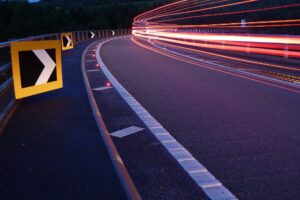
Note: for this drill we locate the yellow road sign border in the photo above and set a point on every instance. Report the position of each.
(62, 43)
(16, 47)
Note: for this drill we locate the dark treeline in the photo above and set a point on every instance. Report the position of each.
(21, 19)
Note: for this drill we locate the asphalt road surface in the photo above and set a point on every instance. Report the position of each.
(245, 132)
(52, 149)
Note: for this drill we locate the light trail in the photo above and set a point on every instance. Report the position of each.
(155, 25)
(265, 82)
(218, 55)
(220, 37)
(262, 45)
(198, 45)
(186, 6)
(160, 9)
(232, 13)
(198, 4)
(265, 23)
(207, 9)
(180, 12)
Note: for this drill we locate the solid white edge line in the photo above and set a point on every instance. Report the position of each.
(213, 188)
(115, 157)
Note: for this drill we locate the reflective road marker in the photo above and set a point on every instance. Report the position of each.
(126, 131)
(36, 67)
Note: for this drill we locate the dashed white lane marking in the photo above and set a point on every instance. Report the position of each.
(126, 131)
(213, 188)
(93, 70)
(102, 88)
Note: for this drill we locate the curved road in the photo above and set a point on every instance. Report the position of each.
(51, 148)
(246, 133)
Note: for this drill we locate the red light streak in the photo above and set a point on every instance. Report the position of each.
(226, 25)
(230, 57)
(163, 26)
(262, 45)
(232, 13)
(179, 12)
(283, 86)
(160, 9)
(260, 63)
(227, 37)
(176, 8)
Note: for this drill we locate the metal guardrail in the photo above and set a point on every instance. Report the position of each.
(7, 99)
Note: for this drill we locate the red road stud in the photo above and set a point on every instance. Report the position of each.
(108, 84)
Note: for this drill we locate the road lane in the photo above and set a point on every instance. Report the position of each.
(244, 132)
(51, 148)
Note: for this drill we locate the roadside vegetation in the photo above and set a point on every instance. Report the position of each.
(21, 19)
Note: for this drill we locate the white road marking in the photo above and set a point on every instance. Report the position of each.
(49, 66)
(102, 88)
(93, 70)
(202, 177)
(126, 131)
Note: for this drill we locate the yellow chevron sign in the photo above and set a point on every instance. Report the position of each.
(36, 67)
(67, 41)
